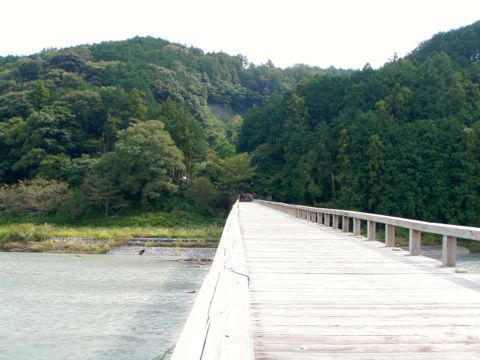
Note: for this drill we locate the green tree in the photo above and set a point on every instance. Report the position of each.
(349, 192)
(40, 95)
(186, 132)
(374, 172)
(233, 173)
(101, 192)
(145, 162)
(136, 105)
(297, 181)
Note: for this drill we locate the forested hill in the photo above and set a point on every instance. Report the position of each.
(401, 140)
(461, 45)
(77, 115)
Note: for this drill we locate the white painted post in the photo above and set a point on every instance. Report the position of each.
(335, 221)
(346, 224)
(415, 242)
(449, 251)
(319, 218)
(371, 230)
(327, 220)
(357, 227)
(389, 235)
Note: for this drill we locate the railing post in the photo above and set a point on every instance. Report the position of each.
(346, 224)
(449, 251)
(327, 220)
(319, 218)
(357, 227)
(335, 221)
(389, 235)
(371, 230)
(415, 242)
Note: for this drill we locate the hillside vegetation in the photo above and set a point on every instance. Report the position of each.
(401, 140)
(136, 124)
(145, 125)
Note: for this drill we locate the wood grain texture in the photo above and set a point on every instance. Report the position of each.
(219, 325)
(318, 293)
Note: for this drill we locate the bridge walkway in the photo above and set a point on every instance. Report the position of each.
(319, 293)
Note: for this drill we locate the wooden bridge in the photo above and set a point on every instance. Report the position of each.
(291, 282)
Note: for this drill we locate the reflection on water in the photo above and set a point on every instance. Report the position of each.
(93, 306)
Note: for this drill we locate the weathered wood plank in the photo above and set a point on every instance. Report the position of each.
(317, 293)
(219, 325)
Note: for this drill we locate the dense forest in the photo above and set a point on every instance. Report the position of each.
(137, 124)
(401, 140)
(148, 124)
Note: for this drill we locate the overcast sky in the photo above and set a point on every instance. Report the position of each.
(342, 33)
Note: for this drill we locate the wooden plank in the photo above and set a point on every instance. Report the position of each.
(317, 293)
(219, 325)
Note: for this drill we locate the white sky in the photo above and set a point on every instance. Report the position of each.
(342, 33)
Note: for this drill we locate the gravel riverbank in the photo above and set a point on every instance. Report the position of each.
(200, 253)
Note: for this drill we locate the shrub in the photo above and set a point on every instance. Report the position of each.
(35, 197)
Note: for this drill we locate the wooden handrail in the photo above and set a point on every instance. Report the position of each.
(219, 325)
(450, 233)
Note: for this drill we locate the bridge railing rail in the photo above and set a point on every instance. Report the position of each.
(333, 217)
(219, 325)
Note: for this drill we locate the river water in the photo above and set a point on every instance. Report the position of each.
(55, 306)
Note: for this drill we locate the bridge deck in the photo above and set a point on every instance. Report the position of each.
(317, 293)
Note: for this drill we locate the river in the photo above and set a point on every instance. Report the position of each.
(56, 306)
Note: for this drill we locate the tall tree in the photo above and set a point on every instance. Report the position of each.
(145, 162)
(374, 172)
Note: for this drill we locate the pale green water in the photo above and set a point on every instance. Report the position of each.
(102, 307)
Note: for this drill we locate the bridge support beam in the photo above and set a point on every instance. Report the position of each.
(415, 242)
(357, 227)
(372, 230)
(346, 224)
(449, 251)
(389, 235)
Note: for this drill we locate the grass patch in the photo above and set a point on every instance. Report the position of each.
(23, 234)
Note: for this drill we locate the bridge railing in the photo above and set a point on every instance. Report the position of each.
(331, 217)
(219, 326)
